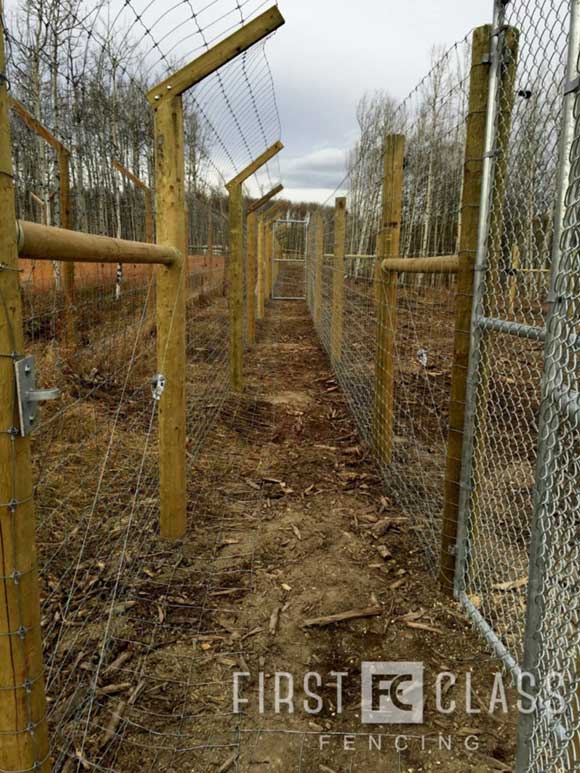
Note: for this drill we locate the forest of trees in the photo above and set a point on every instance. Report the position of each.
(433, 120)
(87, 86)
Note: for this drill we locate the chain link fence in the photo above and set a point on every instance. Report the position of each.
(520, 507)
(516, 570)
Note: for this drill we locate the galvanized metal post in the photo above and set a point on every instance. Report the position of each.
(475, 331)
(470, 210)
(540, 536)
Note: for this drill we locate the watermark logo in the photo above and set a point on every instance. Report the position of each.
(392, 693)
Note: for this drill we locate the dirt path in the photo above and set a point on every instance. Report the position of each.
(291, 524)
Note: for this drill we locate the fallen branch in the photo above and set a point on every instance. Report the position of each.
(352, 614)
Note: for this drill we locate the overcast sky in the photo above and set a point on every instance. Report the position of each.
(323, 60)
(330, 52)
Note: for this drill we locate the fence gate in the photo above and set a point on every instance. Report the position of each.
(518, 574)
(289, 250)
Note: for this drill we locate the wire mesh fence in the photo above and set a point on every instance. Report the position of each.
(129, 623)
(119, 607)
(519, 508)
(288, 259)
(432, 120)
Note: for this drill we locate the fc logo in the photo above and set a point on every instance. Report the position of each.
(392, 693)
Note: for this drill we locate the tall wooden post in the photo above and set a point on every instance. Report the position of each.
(252, 278)
(394, 156)
(470, 208)
(276, 256)
(23, 727)
(268, 257)
(236, 273)
(167, 101)
(171, 230)
(256, 244)
(472, 185)
(236, 287)
(318, 258)
(261, 279)
(149, 235)
(338, 280)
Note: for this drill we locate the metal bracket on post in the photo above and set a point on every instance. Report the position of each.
(157, 386)
(28, 395)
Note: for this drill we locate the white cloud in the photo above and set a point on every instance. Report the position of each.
(323, 168)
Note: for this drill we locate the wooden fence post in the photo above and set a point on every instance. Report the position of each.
(236, 273)
(171, 357)
(268, 256)
(318, 258)
(236, 287)
(473, 170)
(383, 425)
(252, 278)
(515, 279)
(338, 280)
(149, 235)
(261, 270)
(167, 101)
(276, 255)
(256, 244)
(23, 726)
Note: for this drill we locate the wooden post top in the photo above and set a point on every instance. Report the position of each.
(262, 159)
(256, 205)
(217, 56)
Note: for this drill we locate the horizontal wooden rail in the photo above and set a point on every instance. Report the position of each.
(42, 242)
(441, 264)
(129, 175)
(36, 126)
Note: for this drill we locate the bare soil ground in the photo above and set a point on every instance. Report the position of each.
(309, 533)
(288, 522)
